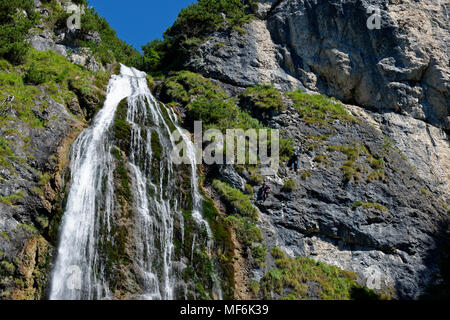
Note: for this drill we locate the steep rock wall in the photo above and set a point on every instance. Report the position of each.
(326, 46)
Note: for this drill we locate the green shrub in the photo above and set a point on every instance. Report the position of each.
(191, 28)
(238, 200)
(249, 190)
(256, 179)
(14, 27)
(7, 267)
(305, 175)
(322, 159)
(351, 170)
(62, 81)
(277, 253)
(376, 164)
(263, 98)
(376, 175)
(318, 109)
(207, 102)
(289, 186)
(111, 48)
(6, 153)
(293, 276)
(247, 232)
(369, 205)
(259, 253)
(35, 76)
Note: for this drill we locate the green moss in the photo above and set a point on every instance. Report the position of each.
(223, 244)
(121, 128)
(238, 200)
(425, 192)
(445, 206)
(115, 255)
(121, 173)
(255, 287)
(217, 225)
(43, 222)
(157, 149)
(369, 205)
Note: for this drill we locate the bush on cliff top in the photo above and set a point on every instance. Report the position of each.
(111, 48)
(193, 25)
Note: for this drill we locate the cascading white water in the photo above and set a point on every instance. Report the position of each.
(79, 272)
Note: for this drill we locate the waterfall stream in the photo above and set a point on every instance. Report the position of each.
(81, 270)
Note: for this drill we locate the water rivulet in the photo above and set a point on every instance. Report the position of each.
(133, 223)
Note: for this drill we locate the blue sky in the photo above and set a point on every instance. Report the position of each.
(139, 21)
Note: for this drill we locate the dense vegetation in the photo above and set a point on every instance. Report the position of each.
(207, 102)
(194, 24)
(304, 278)
(62, 80)
(317, 109)
(264, 98)
(17, 17)
(243, 221)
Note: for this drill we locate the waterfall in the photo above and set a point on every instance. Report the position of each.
(82, 269)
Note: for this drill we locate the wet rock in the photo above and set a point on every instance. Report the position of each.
(230, 176)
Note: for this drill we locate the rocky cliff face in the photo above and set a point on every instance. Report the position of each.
(386, 223)
(326, 46)
(371, 195)
(44, 104)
